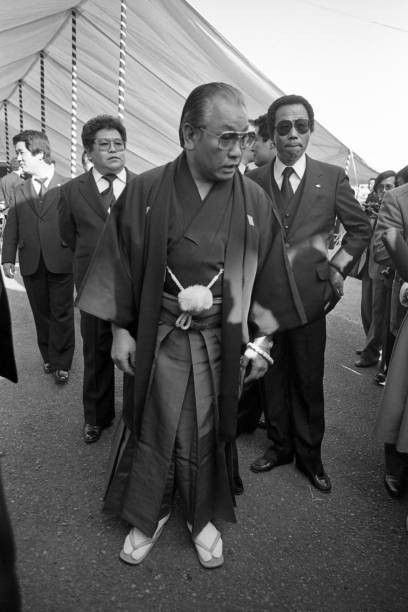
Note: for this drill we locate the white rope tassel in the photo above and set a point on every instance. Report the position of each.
(193, 300)
(122, 60)
(74, 97)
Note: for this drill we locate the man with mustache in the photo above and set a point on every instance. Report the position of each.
(309, 195)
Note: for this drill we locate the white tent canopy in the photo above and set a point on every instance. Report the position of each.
(170, 49)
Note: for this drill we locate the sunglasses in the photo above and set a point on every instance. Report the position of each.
(228, 140)
(302, 126)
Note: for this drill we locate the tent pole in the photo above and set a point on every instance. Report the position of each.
(74, 98)
(42, 90)
(20, 104)
(122, 59)
(6, 134)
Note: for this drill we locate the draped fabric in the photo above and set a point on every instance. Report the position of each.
(170, 49)
(124, 283)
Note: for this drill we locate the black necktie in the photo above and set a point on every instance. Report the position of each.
(42, 192)
(43, 189)
(108, 197)
(286, 188)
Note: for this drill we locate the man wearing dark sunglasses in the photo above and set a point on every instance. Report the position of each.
(309, 195)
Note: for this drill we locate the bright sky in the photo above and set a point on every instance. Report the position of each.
(348, 58)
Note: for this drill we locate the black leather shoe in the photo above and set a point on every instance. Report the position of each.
(61, 377)
(320, 480)
(238, 486)
(365, 363)
(393, 485)
(268, 461)
(47, 367)
(92, 433)
(262, 423)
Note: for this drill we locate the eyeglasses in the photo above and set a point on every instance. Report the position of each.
(302, 126)
(385, 187)
(228, 140)
(104, 144)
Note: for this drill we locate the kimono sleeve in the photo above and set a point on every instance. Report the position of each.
(107, 289)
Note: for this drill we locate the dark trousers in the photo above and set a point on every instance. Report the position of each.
(294, 398)
(396, 464)
(51, 298)
(99, 378)
(375, 333)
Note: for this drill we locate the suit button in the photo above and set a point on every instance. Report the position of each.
(287, 214)
(286, 226)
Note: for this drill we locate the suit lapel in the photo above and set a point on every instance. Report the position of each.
(52, 195)
(30, 195)
(311, 190)
(89, 192)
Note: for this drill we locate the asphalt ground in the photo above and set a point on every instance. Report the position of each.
(293, 548)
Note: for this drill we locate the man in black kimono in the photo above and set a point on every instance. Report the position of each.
(190, 267)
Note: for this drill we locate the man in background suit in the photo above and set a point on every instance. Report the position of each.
(9, 591)
(309, 195)
(84, 207)
(9, 182)
(393, 214)
(263, 147)
(45, 260)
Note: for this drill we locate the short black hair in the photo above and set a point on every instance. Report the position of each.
(402, 175)
(36, 142)
(261, 123)
(382, 176)
(196, 105)
(101, 122)
(285, 101)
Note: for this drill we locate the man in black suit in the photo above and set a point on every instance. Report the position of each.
(9, 591)
(45, 260)
(84, 207)
(309, 195)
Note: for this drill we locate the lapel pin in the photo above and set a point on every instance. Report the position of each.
(318, 186)
(147, 209)
(250, 220)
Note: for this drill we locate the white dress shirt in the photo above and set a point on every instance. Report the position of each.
(37, 185)
(118, 184)
(299, 169)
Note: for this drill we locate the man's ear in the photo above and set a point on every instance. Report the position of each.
(189, 135)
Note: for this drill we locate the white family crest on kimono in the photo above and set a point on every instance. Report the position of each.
(193, 300)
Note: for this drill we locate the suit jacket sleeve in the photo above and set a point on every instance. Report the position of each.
(389, 216)
(398, 251)
(67, 225)
(355, 222)
(10, 237)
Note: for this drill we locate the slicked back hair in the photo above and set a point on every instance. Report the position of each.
(101, 122)
(261, 123)
(402, 175)
(381, 177)
(196, 106)
(36, 142)
(285, 101)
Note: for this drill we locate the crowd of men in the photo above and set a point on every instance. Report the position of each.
(208, 287)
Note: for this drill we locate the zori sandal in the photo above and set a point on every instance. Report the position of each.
(201, 547)
(137, 546)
